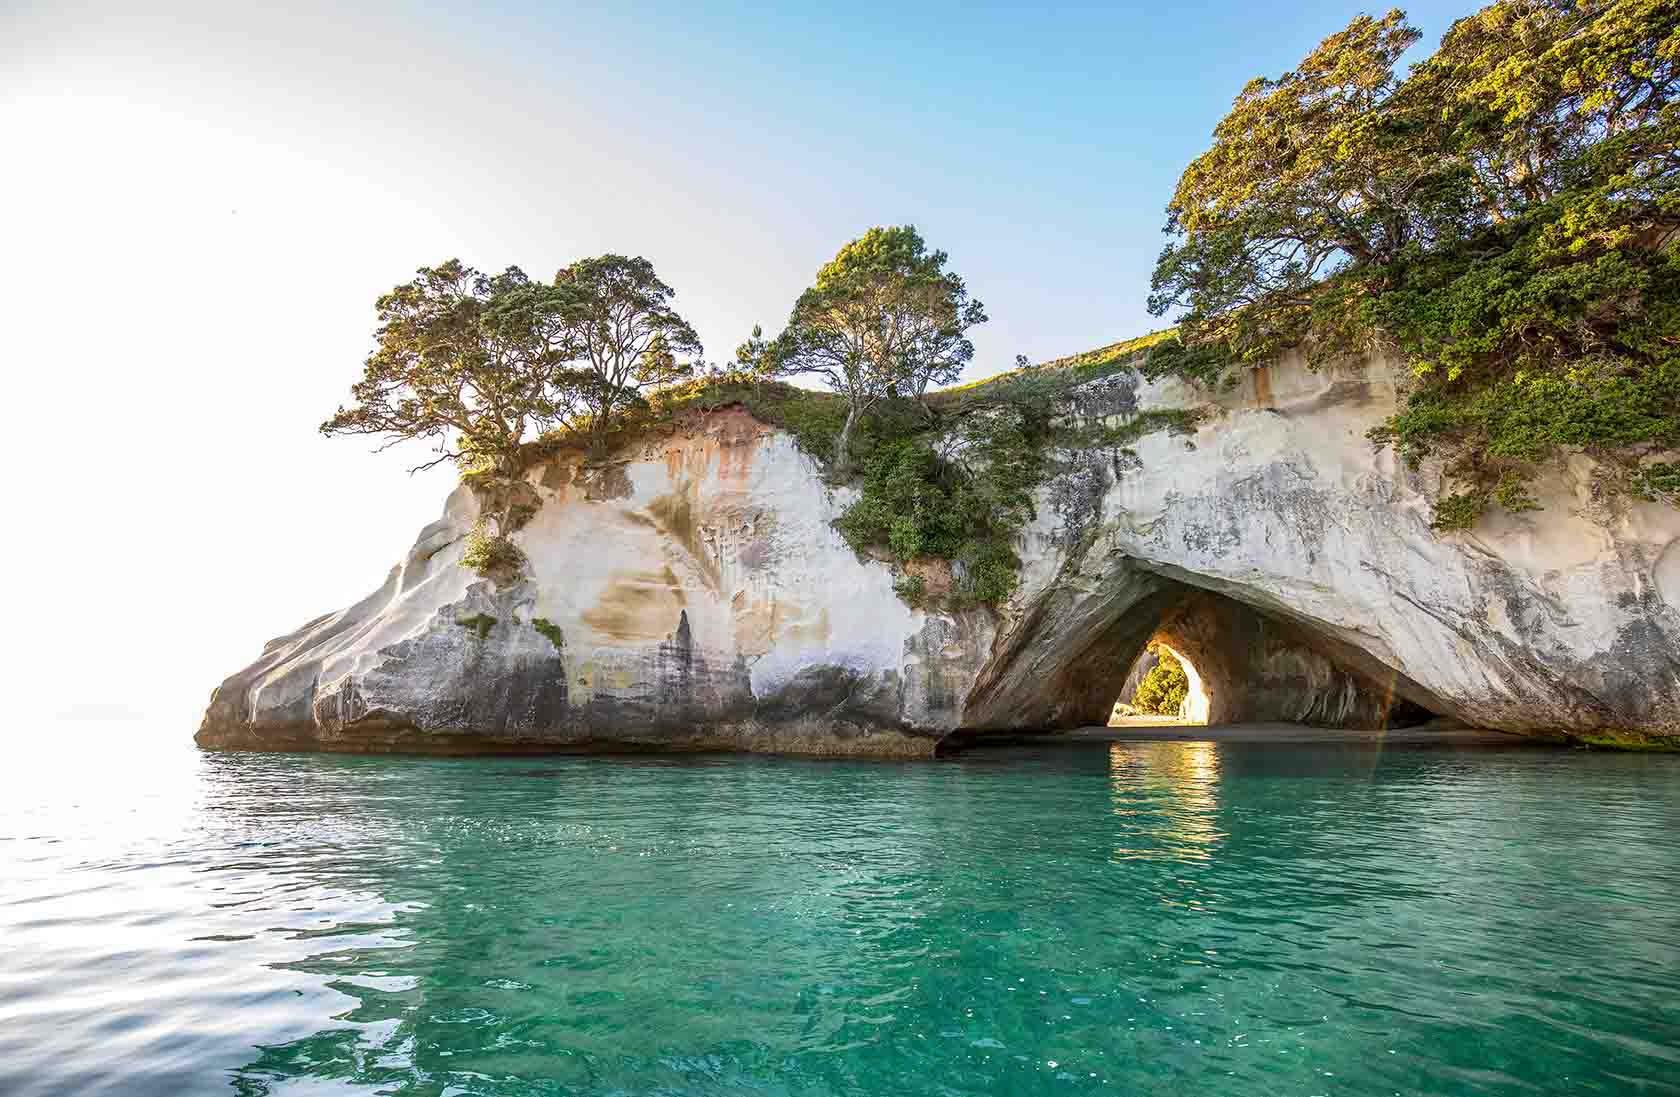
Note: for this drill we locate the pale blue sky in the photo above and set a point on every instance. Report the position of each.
(204, 200)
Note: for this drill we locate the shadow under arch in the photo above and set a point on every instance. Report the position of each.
(1062, 666)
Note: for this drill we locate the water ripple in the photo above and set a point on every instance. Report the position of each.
(1161, 918)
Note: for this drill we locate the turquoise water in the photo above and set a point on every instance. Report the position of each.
(1160, 918)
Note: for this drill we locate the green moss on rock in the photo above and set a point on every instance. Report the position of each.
(480, 623)
(1626, 739)
(550, 630)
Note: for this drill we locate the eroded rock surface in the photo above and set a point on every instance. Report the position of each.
(692, 594)
(1553, 622)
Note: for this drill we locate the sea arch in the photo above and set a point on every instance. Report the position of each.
(1256, 661)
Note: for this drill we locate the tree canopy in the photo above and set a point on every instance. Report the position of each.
(1306, 174)
(479, 364)
(1502, 217)
(464, 360)
(884, 318)
(627, 339)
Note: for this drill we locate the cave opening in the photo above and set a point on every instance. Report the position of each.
(1161, 689)
(1266, 664)
(1252, 659)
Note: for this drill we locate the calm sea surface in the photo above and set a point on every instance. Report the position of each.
(1150, 918)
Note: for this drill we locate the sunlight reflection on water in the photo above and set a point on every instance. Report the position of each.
(1168, 793)
(1152, 918)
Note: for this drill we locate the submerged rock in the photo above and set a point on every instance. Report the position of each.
(692, 594)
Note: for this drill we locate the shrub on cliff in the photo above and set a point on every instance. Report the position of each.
(493, 556)
(962, 502)
(1503, 216)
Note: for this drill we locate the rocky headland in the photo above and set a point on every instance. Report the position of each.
(691, 592)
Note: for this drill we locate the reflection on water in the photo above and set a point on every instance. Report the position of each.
(1152, 918)
(1169, 794)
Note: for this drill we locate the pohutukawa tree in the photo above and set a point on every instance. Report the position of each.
(478, 364)
(1304, 176)
(1505, 217)
(625, 340)
(1341, 167)
(465, 360)
(885, 318)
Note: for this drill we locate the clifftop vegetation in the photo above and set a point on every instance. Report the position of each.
(948, 477)
(499, 372)
(883, 320)
(1503, 216)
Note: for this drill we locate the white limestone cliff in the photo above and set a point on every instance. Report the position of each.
(691, 593)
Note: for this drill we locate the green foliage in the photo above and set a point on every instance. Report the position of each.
(1503, 217)
(990, 571)
(1306, 174)
(551, 631)
(813, 418)
(909, 504)
(1104, 361)
(1163, 690)
(492, 556)
(1463, 509)
(480, 624)
(963, 503)
(1032, 384)
(913, 589)
(1658, 480)
(1204, 362)
(1460, 510)
(457, 364)
(1516, 358)
(475, 363)
(884, 319)
(1625, 739)
(1178, 421)
(1511, 492)
(625, 338)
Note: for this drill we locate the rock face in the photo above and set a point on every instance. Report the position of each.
(1145, 662)
(692, 594)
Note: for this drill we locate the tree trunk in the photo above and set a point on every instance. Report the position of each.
(843, 446)
(921, 399)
